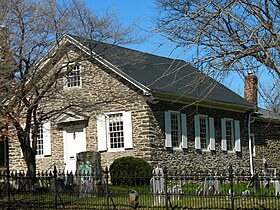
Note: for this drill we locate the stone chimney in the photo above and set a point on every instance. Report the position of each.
(251, 89)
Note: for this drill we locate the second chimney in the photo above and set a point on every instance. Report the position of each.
(251, 89)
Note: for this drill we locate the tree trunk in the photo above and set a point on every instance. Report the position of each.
(30, 160)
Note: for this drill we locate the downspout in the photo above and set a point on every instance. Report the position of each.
(250, 95)
(250, 121)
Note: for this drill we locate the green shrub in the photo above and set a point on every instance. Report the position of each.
(130, 171)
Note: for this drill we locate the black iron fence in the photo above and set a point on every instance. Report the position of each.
(157, 190)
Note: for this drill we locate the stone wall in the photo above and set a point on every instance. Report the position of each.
(102, 91)
(267, 144)
(192, 159)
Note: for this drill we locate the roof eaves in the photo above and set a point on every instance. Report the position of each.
(188, 100)
(267, 116)
(51, 52)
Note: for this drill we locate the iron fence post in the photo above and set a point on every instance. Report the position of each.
(165, 188)
(55, 188)
(106, 187)
(230, 170)
(9, 190)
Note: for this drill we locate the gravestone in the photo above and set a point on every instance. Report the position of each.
(211, 186)
(277, 188)
(157, 185)
(89, 178)
(255, 183)
(176, 192)
(69, 181)
(57, 184)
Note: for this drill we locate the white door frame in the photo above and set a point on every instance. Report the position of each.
(78, 145)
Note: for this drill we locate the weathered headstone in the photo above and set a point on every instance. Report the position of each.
(57, 184)
(255, 183)
(90, 173)
(245, 194)
(198, 191)
(86, 185)
(277, 188)
(157, 185)
(69, 180)
(176, 192)
(212, 186)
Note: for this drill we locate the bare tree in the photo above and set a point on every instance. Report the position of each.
(29, 30)
(225, 36)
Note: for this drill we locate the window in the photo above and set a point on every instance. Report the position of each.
(3, 152)
(114, 131)
(204, 132)
(175, 130)
(231, 135)
(73, 78)
(40, 141)
(43, 140)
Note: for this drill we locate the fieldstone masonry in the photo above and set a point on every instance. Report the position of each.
(267, 144)
(103, 91)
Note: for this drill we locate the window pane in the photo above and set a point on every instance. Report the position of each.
(229, 134)
(74, 77)
(175, 130)
(203, 132)
(116, 133)
(40, 141)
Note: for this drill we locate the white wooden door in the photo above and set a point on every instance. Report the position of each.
(74, 142)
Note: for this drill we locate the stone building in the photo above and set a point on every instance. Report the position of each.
(264, 132)
(137, 104)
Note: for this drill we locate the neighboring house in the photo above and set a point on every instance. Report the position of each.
(264, 128)
(143, 105)
(265, 135)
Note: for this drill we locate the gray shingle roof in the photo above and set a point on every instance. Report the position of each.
(164, 74)
(266, 114)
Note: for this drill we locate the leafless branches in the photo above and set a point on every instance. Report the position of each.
(225, 35)
(30, 29)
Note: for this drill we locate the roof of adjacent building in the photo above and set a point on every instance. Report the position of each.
(266, 114)
(161, 74)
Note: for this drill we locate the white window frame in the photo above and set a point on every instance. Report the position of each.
(46, 138)
(236, 141)
(66, 79)
(210, 133)
(109, 140)
(103, 138)
(182, 132)
(40, 141)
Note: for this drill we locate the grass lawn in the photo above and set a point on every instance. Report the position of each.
(119, 198)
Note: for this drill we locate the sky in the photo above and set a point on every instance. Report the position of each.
(142, 13)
